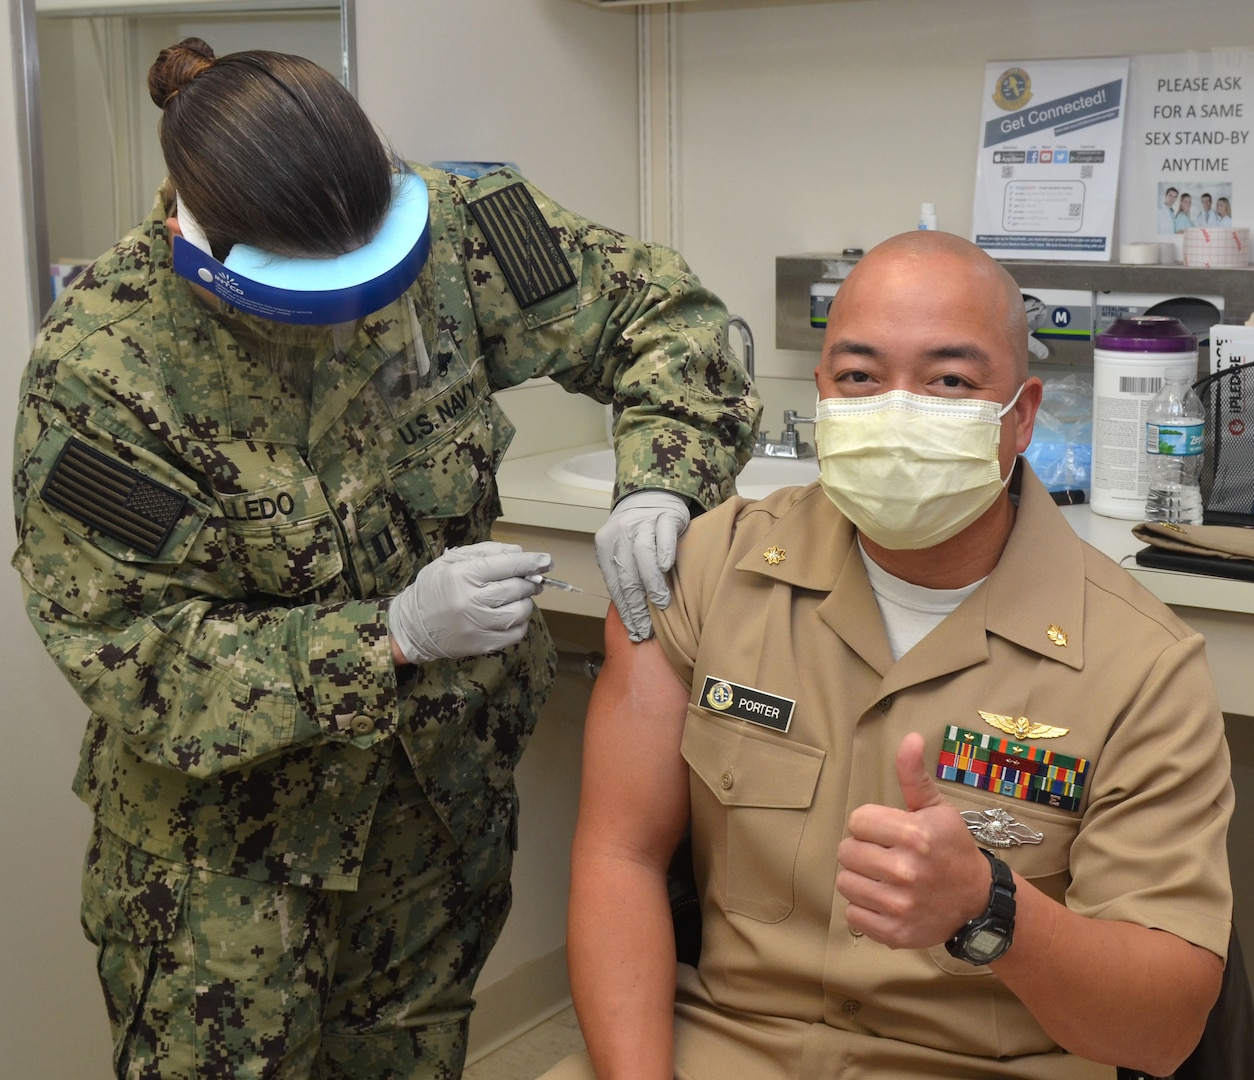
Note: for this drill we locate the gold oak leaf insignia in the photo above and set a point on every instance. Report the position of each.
(1023, 728)
(773, 556)
(1057, 635)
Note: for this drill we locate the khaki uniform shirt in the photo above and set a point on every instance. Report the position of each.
(209, 533)
(773, 596)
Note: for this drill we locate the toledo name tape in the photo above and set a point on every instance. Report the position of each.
(746, 703)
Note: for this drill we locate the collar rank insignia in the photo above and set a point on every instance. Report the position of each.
(774, 555)
(746, 703)
(1057, 635)
(1022, 728)
(997, 828)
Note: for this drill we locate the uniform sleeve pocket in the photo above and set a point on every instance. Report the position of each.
(752, 804)
(137, 512)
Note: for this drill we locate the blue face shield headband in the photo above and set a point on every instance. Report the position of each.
(316, 291)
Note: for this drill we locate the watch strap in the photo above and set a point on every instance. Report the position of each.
(999, 916)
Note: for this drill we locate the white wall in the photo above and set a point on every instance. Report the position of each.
(823, 125)
(52, 1024)
(551, 86)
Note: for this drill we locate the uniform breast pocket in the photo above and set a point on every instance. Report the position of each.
(1034, 841)
(455, 446)
(752, 805)
(283, 539)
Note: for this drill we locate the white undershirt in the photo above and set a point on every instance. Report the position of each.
(910, 612)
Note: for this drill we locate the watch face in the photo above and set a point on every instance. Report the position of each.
(987, 943)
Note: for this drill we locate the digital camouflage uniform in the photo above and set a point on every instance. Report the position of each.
(291, 832)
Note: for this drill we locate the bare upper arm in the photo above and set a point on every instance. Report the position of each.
(634, 793)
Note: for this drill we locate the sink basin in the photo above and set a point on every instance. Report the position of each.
(594, 471)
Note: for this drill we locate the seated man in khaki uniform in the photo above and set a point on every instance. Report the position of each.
(957, 785)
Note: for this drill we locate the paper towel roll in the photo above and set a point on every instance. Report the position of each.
(1140, 254)
(1222, 248)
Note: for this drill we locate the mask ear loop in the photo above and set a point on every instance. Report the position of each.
(342, 334)
(415, 344)
(1011, 405)
(1006, 482)
(192, 232)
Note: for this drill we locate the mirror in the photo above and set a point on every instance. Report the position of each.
(93, 162)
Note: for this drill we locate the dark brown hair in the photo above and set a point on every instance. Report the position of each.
(269, 149)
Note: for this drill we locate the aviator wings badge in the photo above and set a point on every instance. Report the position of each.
(1022, 728)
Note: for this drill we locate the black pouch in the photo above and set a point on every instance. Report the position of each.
(1228, 472)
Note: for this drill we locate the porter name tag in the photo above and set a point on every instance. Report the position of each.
(746, 703)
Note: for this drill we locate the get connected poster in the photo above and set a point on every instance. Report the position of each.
(1189, 160)
(1048, 172)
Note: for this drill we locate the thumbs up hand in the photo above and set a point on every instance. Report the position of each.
(912, 877)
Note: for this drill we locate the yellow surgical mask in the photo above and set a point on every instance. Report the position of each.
(910, 471)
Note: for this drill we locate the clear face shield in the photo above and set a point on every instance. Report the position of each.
(307, 303)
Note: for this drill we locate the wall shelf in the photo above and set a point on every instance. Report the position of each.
(795, 273)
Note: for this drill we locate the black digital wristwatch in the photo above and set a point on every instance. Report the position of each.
(988, 936)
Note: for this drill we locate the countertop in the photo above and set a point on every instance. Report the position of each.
(545, 515)
(531, 498)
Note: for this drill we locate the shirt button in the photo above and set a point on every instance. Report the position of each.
(851, 1007)
(855, 933)
(884, 703)
(726, 780)
(362, 724)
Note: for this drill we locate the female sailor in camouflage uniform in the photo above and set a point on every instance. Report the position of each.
(254, 501)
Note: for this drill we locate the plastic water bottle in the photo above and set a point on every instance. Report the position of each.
(1174, 427)
(927, 217)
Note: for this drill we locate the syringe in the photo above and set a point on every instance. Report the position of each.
(564, 586)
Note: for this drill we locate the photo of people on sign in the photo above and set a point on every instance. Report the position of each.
(1188, 162)
(1188, 202)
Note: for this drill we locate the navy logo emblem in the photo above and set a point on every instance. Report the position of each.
(1014, 89)
(720, 696)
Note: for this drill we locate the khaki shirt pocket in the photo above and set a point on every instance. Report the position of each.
(751, 805)
(1047, 865)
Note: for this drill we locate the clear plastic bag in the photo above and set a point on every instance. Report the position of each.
(1061, 451)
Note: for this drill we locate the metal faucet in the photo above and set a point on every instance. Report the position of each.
(789, 444)
(746, 341)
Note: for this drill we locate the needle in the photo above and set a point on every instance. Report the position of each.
(564, 586)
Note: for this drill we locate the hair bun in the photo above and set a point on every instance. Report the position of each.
(175, 67)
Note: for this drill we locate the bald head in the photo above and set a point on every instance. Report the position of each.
(899, 269)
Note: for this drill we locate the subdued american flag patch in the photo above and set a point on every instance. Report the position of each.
(113, 498)
(520, 239)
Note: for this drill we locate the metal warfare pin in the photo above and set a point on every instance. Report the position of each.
(746, 703)
(997, 828)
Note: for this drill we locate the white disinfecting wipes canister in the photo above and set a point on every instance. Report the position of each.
(1130, 361)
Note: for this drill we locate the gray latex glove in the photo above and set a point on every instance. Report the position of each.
(635, 548)
(472, 600)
